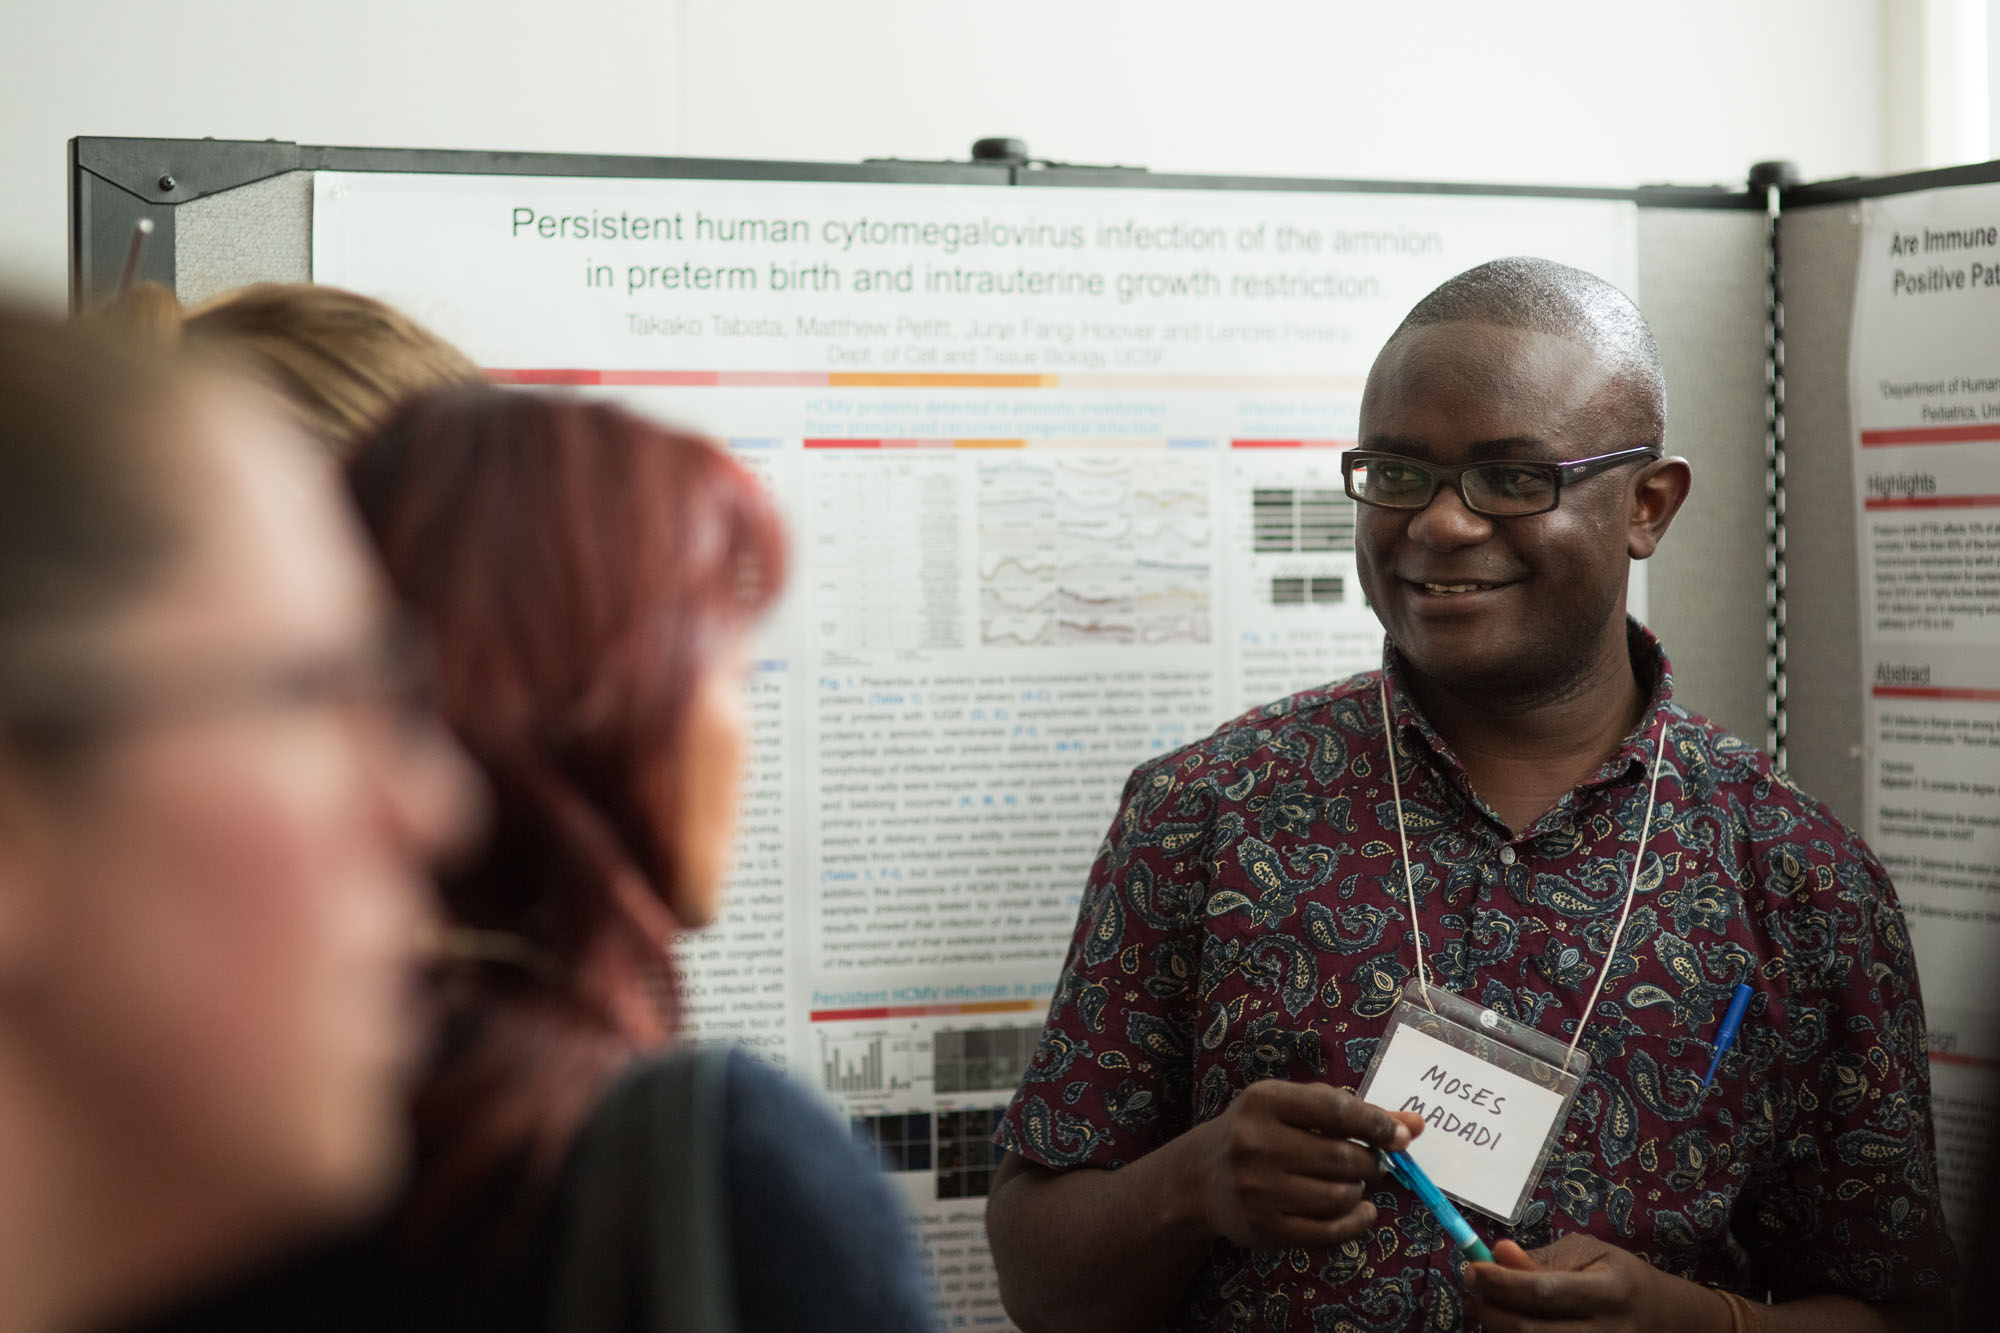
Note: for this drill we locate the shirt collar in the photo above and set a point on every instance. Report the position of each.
(1634, 755)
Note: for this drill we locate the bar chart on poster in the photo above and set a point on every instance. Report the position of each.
(878, 1062)
(1062, 474)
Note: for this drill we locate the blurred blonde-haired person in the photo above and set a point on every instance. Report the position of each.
(343, 362)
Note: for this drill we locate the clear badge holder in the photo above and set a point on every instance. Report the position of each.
(1485, 1058)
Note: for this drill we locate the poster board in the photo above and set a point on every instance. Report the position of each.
(1896, 553)
(1063, 483)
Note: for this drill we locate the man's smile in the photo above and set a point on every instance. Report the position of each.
(1458, 587)
(1454, 587)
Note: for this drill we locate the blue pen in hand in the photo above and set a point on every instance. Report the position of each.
(1725, 1036)
(1404, 1168)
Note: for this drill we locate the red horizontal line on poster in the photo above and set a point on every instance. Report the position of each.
(1936, 692)
(1934, 502)
(1983, 434)
(1291, 444)
(1967, 1061)
(563, 376)
(968, 1007)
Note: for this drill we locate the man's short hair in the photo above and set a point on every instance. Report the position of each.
(1546, 297)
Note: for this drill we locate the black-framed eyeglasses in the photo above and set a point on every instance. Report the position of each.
(1503, 488)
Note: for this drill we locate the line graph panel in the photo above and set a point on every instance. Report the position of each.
(1084, 549)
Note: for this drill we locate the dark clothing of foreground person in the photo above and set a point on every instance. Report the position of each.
(811, 1243)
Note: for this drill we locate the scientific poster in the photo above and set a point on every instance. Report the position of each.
(1062, 474)
(1925, 385)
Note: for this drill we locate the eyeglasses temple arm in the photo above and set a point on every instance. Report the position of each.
(1590, 467)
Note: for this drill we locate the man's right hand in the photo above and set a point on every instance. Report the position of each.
(1281, 1168)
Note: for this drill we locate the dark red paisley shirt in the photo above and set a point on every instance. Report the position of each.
(1246, 919)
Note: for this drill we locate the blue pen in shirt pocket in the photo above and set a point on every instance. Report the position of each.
(1725, 1036)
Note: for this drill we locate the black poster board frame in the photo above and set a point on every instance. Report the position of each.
(116, 181)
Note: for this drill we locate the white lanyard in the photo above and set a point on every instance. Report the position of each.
(1410, 882)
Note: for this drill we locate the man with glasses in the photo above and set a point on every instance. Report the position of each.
(1516, 810)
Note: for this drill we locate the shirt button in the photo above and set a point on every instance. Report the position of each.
(1506, 856)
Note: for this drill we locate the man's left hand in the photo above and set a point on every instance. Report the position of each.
(1583, 1283)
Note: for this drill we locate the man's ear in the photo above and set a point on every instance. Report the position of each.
(1657, 495)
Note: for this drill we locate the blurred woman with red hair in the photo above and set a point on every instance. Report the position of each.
(589, 581)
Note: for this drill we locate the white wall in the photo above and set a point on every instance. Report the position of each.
(1936, 82)
(1558, 91)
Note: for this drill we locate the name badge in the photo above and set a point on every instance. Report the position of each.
(1494, 1095)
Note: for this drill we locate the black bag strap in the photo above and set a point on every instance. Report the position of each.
(644, 1244)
